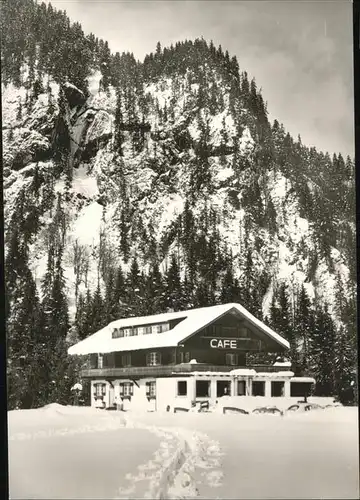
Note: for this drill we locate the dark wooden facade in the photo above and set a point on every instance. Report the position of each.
(210, 347)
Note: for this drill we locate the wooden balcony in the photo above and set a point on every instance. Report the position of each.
(165, 370)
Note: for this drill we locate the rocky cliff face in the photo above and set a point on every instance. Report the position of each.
(181, 152)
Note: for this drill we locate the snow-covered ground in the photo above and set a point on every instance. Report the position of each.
(65, 452)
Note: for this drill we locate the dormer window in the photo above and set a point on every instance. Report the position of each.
(131, 331)
(117, 333)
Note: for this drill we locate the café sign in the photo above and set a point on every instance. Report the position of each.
(224, 343)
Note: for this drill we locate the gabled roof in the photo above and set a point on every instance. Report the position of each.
(194, 320)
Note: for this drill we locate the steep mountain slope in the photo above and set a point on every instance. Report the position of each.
(156, 182)
(127, 166)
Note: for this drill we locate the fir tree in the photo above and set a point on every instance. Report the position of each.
(154, 291)
(322, 345)
(173, 289)
(134, 290)
(304, 321)
(285, 326)
(98, 318)
(22, 330)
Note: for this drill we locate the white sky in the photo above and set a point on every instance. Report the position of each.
(299, 52)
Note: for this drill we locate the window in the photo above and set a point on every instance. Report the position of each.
(300, 389)
(147, 330)
(258, 388)
(243, 332)
(127, 332)
(151, 389)
(153, 358)
(222, 388)
(231, 359)
(100, 361)
(126, 389)
(277, 389)
(184, 357)
(117, 333)
(134, 331)
(100, 389)
(241, 388)
(182, 388)
(126, 360)
(160, 328)
(203, 388)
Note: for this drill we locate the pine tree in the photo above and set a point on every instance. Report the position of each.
(285, 326)
(304, 325)
(154, 291)
(203, 296)
(118, 135)
(62, 140)
(109, 299)
(134, 303)
(79, 317)
(124, 231)
(21, 330)
(98, 308)
(230, 290)
(119, 294)
(173, 288)
(322, 346)
(87, 319)
(345, 366)
(274, 313)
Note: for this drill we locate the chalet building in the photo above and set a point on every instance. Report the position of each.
(182, 358)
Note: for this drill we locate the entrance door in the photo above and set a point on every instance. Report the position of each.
(222, 388)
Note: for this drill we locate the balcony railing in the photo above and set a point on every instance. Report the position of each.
(166, 370)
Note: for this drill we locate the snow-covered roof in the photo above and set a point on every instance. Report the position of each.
(193, 321)
(285, 364)
(274, 374)
(243, 372)
(307, 380)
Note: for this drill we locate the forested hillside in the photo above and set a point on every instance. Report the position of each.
(140, 187)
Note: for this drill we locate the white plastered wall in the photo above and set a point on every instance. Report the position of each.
(166, 393)
(139, 400)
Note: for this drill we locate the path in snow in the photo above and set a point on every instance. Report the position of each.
(310, 455)
(64, 452)
(173, 468)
